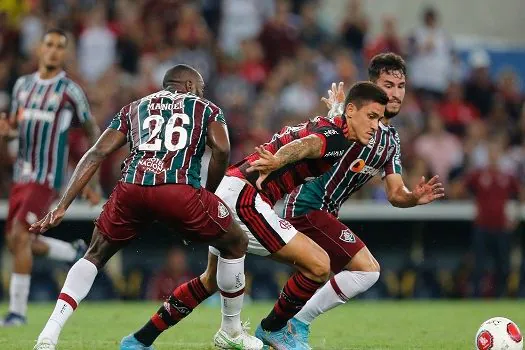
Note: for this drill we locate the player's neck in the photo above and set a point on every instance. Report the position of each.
(45, 73)
(385, 121)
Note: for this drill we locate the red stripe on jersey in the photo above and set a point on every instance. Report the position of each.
(198, 115)
(34, 141)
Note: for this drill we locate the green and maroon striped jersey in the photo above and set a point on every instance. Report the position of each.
(166, 132)
(44, 111)
(355, 168)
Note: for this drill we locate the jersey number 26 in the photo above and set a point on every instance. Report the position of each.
(168, 133)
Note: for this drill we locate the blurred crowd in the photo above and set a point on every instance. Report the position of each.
(267, 64)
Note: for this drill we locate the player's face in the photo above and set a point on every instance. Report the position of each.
(394, 85)
(53, 51)
(363, 122)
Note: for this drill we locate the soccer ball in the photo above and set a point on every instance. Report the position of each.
(499, 333)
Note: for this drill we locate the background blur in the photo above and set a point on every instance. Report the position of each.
(267, 63)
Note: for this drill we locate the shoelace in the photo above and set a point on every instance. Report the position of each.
(245, 326)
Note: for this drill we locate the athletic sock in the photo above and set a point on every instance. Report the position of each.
(77, 285)
(18, 293)
(231, 281)
(342, 287)
(180, 304)
(59, 250)
(295, 294)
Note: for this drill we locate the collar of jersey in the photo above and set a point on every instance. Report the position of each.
(340, 121)
(52, 80)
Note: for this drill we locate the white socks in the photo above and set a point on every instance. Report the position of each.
(18, 293)
(341, 287)
(77, 285)
(230, 280)
(59, 250)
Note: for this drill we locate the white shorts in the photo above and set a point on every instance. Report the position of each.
(267, 232)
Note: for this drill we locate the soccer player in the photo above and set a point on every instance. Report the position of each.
(167, 132)
(43, 106)
(313, 207)
(303, 151)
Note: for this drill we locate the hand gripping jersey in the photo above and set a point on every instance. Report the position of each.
(286, 179)
(355, 168)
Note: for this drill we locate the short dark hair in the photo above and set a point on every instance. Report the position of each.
(386, 63)
(56, 31)
(365, 92)
(178, 74)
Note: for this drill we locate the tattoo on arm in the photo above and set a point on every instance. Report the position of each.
(306, 147)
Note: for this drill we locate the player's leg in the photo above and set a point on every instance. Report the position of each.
(58, 250)
(19, 245)
(78, 283)
(203, 286)
(356, 268)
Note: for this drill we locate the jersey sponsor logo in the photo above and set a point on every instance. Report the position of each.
(153, 165)
(357, 165)
(485, 341)
(223, 211)
(335, 153)
(368, 170)
(36, 114)
(347, 236)
(285, 225)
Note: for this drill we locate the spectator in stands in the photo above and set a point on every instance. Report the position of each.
(388, 41)
(456, 112)
(311, 33)
(354, 28)
(441, 150)
(279, 38)
(479, 89)
(174, 273)
(431, 60)
(492, 234)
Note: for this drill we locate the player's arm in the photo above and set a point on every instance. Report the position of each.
(425, 192)
(110, 141)
(311, 146)
(8, 125)
(219, 143)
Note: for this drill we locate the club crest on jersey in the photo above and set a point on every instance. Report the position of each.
(347, 236)
(371, 143)
(223, 211)
(285, 225)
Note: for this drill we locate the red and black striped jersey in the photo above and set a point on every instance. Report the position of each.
(280, 182)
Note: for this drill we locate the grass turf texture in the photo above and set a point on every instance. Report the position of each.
(357, 325)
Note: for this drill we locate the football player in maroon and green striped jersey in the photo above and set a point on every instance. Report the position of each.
(314, 206)
(42, 108)
(167, 132)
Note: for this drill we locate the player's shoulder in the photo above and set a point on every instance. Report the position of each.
(203, 101)
(72, 86)
(23, 79)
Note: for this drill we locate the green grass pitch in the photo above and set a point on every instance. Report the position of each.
(358, 325)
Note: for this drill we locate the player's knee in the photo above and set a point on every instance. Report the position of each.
(320, 268)
(19, 238)
(209, 280)
(236, 246)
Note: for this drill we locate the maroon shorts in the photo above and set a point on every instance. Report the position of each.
(333, 236)
(28, 203)
(195, 214)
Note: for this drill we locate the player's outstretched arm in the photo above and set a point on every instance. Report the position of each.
(310, 146)
(219, 143)
(110, 141)
(425, 192)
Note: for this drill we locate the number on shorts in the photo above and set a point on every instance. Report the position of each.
(168, 133)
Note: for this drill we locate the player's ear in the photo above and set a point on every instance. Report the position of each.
(189, 86)
(350, 109)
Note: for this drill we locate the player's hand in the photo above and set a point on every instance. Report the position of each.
(52, 219)
(427, 192)
(266, 163)
(335, 95)
(92, 195)
(5, 128)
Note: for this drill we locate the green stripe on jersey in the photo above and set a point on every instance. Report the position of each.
(41, 176)
(142, 114)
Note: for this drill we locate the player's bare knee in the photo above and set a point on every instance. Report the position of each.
(209, 280)
(19, 238)
(320, 266)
